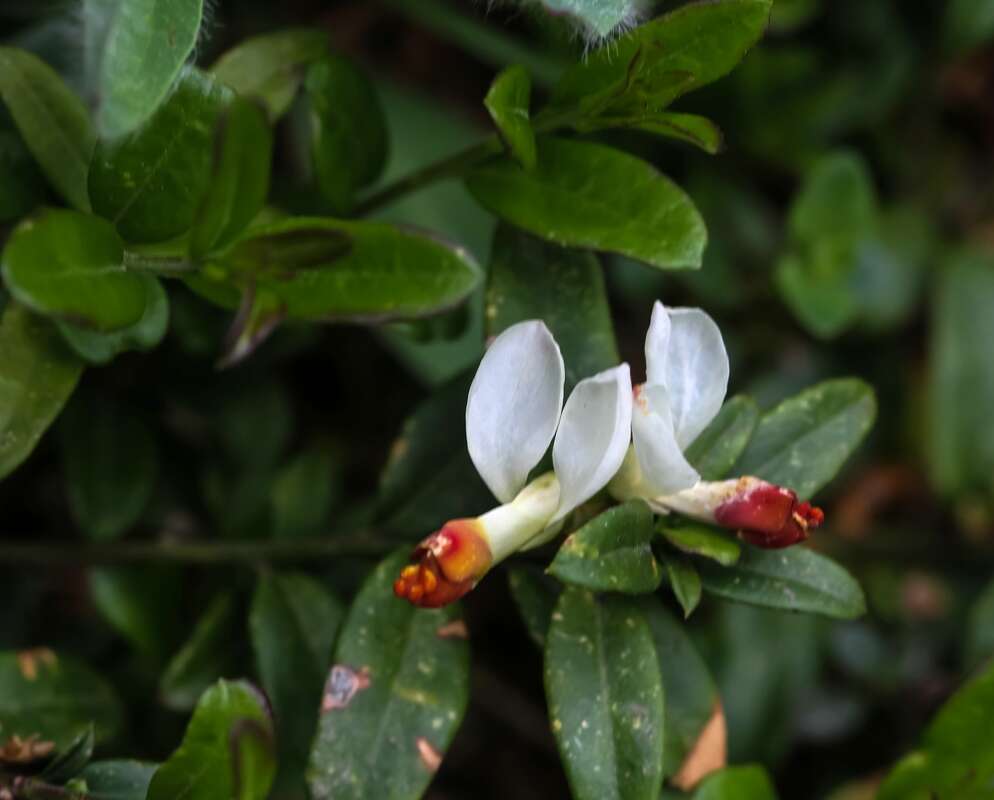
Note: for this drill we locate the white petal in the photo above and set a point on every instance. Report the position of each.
(686, 354)
(593, 436)
(513, 406)
(664, 469)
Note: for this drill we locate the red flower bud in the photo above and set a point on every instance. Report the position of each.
(446, 565)
(769, 516)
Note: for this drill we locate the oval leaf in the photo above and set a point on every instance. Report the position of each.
(685, 583)
(701, 540)
(804, 441)
(150, 184)
(718, 447)
(508, 101)
(611, 553)
(795, 579)
(270, 67)
(52, 121)
(348, 129)
(55, 698)
(118, 780)
(394, 698)
(605, 697)
(37, 375)
(227, 750)
(147, 42)
(587, 195)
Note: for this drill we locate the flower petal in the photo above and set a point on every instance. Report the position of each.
(685, 353)
(660, 457)
(514, 405)
(593, 436)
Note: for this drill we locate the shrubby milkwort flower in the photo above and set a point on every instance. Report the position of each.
(515, 410)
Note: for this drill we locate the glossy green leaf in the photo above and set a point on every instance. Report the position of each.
(22, 185)
(100, 348)
(582, 194)
(243, 153)
(961, 376)
(151, 184)
(55, 698)
(52, 120)
(304, 493)
(673, 54)
(737, 783)
(955, 759)
(71, 266)
(508, 104)
(329, 270)
(147, 42)
(718, 447)
(227, 751)
(701, 540)
(980, 628)
(140, 602)
(394, 698)
(605, 697)
(804, 441)
(685, 582)
(533, 279)
(206, 656)
(271, 67)
(69, 762)
(348, 130)
(37, 375)
(110, 464)
(118, 779)
(688, 128)
(795, 579)
(611, 553)
(691, 695)
(293, 622)
(535, 594)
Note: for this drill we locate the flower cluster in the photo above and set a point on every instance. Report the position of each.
(607, 434)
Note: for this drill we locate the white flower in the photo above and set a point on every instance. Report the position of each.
(686, 382)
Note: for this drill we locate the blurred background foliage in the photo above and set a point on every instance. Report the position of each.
(851, 231)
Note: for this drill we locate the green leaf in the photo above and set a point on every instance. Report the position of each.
(588, 195)
(737, 783)
(71, 266)
(227, 751)
(701, 540)
(55, 698)
(243, 153)
(955, 759)
(293, 622)
(714, 452)
(665, 58)
(304, 493)
(690, 128)
(150, 184)
(804, 441)
(961, 376)
(147, 42)
(836, 200)
(980, 628)
(207, 655)
(794, 579)
(271, 67)
(22, 186)
(507, 102)
(100, 348)
(52, 120)
(118, 779)
(533, 279)
(140, 602)
(535, 594)
(691, 695)
(68, 763)
(819, 286)
(395, 697)
(37, 375)
(685, 583)
(329, 270)
(110, 464)
(605, 697)
(348, 129)
(611, 553)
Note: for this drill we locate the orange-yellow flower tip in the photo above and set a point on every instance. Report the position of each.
(446, 565)
(769, 516)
